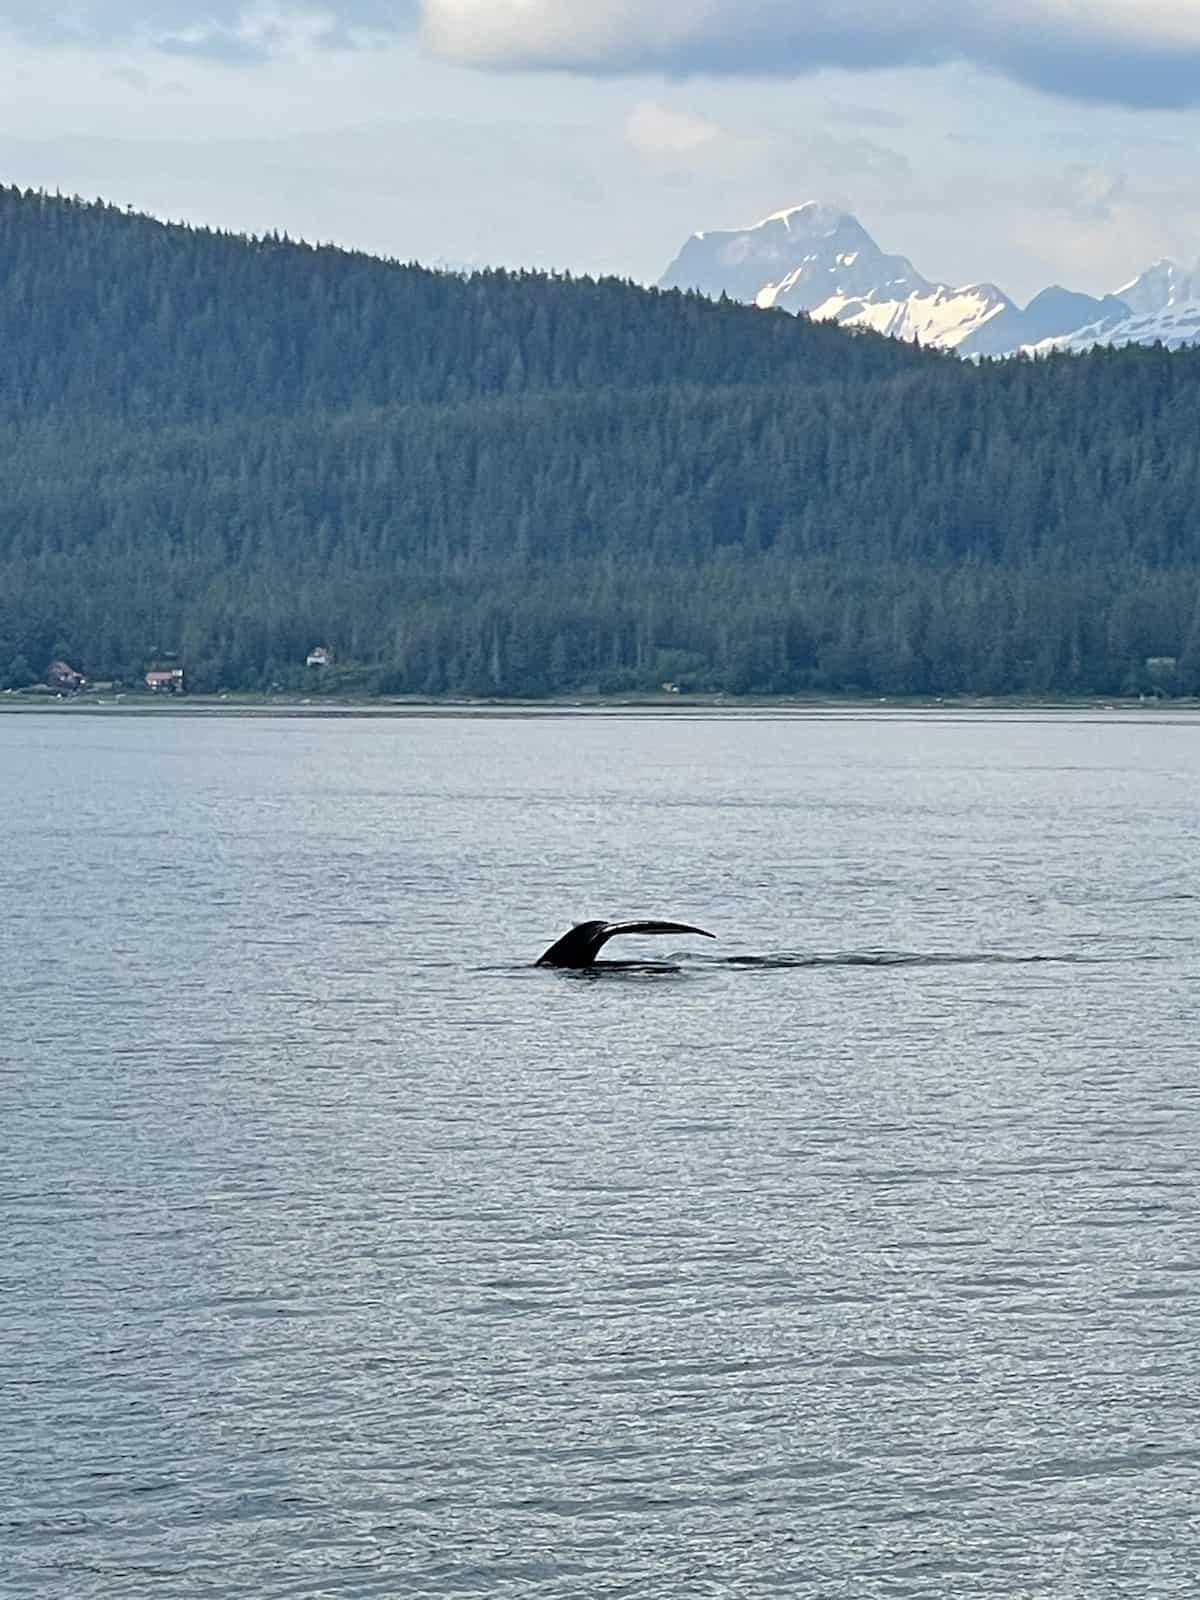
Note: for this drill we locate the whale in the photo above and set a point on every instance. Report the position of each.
(580, 946)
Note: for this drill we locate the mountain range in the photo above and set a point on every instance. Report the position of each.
(820, 260)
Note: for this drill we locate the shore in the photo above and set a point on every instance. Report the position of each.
(673, 705)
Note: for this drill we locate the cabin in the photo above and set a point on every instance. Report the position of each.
(165, 680)
(319, 656)
(64, 678)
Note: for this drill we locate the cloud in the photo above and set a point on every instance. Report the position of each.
(226, 46)
(864, 116)
(1137, 53)
(1140, 53)
(655, 131)
(1089, 194)
(1097, 229)
(233, 31)
(679, 146)
(96, 22)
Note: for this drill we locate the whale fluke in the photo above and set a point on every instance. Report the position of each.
(580, 947)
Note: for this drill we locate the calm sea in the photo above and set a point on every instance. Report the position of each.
(855, 1254)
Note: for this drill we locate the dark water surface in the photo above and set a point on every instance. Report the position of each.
(344, 1253)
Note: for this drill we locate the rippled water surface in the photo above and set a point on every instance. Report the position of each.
(343, 1252)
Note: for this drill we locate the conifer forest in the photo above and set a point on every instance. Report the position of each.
(226, 451)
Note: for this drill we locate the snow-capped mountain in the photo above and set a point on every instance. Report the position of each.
(814, 258)
(795, 259)
(1055, 313)
(1161, 286)
(1174, 327)
(818, 259)
(1164, 302)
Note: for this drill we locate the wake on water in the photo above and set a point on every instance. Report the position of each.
(695, 962)
(889, 958)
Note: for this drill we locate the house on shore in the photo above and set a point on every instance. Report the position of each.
(319, 656)
(165, 680)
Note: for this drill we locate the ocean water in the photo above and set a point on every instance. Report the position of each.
(344, 1252)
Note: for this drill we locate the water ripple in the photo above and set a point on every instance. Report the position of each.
(855, 1257)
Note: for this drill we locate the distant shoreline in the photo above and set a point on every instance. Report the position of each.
(141, 705)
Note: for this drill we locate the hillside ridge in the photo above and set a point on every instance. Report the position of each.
(229, 456)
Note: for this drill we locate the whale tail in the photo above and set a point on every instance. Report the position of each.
(580, 947)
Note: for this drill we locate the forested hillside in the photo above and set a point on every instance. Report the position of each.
(231, 451)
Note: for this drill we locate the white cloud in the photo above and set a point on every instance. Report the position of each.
(654, 130)
(1108, 226)
(1136, 52)
(1141, 53)
(229, 29)
(1089, 194)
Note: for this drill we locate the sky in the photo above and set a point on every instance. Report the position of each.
(1022, 142)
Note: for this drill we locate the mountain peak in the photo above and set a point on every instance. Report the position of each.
(820, 259)
(796, 258)
(811, 216)
(1164, 283)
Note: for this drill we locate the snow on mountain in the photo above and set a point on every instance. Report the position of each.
(1059, 311)
(1164, 302)
(821, 260)
(817, 259)
(1174, 326)
(1162, 285)
(791, 257)
(950, 319)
